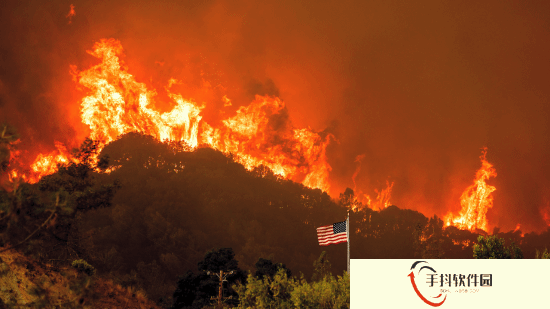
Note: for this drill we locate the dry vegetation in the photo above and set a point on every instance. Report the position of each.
(24, 282)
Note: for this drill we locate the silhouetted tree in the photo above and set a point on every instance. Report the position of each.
(42, 216)
(8, 138)
(195, 291)
(348, 200)
(266, 268)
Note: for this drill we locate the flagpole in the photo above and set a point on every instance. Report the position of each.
(347, 232)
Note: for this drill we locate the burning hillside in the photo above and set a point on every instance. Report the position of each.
(413, 92)
(259, 134)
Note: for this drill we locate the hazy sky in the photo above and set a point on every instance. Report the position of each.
(417, 87)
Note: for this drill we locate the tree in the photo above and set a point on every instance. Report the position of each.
(267, 292)
(266, 268)
(321, 267)
(195, 291)
(219, 259)
(8, 138)
(184, 295)
(43, 216)
(493, 247)
(542, 255)
(78, 183)
(282, 291)
(348, 200)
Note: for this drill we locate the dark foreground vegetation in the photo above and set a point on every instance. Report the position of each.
(151, 222)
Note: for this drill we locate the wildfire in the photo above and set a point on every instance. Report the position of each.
(476, 200)
(383, 196)
(46, 164)
(259, 134)
(14, 174)
(118, 104)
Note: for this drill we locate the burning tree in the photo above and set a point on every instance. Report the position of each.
(50, 208)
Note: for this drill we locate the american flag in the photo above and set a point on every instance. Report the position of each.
(332, 234)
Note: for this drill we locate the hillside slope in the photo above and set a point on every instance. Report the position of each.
(24, 282)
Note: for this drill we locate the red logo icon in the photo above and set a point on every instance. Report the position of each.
(411, 275)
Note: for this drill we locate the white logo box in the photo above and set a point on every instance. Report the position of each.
(523, 283)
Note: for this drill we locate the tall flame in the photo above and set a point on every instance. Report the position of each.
(118, 104)
(382, 199)
(259, 134)
(476, 200)
(383, 196)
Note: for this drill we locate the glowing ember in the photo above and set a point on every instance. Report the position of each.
(476, 200)
(71, 13)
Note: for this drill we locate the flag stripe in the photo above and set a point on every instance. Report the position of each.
(332, 234)
(344, 238)
(332, 242)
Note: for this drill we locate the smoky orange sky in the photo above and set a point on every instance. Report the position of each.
(417, 87)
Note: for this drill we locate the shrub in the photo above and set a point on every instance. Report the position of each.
(83, 267)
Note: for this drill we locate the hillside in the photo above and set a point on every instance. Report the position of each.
(25, 282)
(151, 217)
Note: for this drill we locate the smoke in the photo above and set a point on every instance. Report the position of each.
(417, 89)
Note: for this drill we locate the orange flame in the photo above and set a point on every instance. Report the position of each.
(476, 200)
(259, 134)
(226, 101)
(255, 137)
(71, 13)
(118, 104)
(47, 164)
(382, 199)
(15, 174)
(358, 160)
